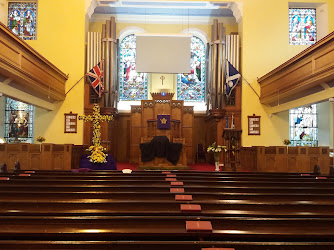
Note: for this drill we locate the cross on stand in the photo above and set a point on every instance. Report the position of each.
(96, 118)
(162, 78)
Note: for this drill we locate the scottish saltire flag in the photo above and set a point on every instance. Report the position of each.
(95, 77)
(232, 78)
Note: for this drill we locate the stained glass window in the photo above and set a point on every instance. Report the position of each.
(132, 85)
(302, 26)
(22, 19)
(191, 87)
(304, 126)
(19, 121)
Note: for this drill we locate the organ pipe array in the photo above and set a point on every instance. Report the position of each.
(103, 46)
(222, 47)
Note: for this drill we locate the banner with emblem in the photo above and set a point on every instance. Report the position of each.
(163, 121)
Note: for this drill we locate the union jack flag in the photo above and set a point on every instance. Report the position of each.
(95, 77)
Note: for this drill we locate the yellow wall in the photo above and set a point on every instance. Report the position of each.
(265, 46)
(60, 39)
(3, 11)
(264, 32)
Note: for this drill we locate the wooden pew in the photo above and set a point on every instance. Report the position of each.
(64, 208)
(164, 228)
(165, 245)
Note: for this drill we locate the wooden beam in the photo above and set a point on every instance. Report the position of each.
(313, 98)
(29, 69)
(308, 70)
(25, 97)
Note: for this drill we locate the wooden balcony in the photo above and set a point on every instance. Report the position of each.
(308, 73)
(24, 69)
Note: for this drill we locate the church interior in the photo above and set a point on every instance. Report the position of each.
(166, 124)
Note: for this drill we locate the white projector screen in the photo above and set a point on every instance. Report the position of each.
(163, 53)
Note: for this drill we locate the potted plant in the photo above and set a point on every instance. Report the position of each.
(40, 139)
(216, 150)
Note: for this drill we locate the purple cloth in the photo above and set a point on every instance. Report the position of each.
(163, 121)
(110, 165)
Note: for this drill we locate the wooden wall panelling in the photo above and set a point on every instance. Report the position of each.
(177, 108)
(24, 155)
(261, 164)
(319, 156)
(68, 152)
(324, 160)
(147, 108)
(35, 161)
(314, 156)
(270, 158)
(58, 154)
(58, 161)
(3, 153)
(292, 159)
(123, 138)
(47, 158)
(281, 160)
(303, 159)
(35, 153)
(43, 156)
(12, 155)
(198, 132)
(113, 128)
(183, 156)
(77, 152)
(248, 158)
(187, 132)
(135, 132)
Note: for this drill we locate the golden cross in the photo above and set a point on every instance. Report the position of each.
(96, 118)
(162, 79)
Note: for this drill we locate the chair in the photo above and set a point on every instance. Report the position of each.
(200, 153)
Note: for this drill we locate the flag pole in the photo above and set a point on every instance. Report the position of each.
(250, 86)
(74, 85)
(245, 80)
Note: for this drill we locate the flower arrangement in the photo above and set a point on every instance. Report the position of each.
(216, 150)
(40, 139)
(286, 142)
(97, 154)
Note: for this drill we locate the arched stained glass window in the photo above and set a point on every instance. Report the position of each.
(191, 87)
(302, 26)
(304, 126)
(19, 121)
(22, 19)
(132, 85)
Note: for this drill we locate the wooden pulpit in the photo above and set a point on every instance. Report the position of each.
(145, 126)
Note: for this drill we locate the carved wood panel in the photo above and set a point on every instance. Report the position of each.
(35, 161)
(177, 109)
(162, 107)
(58, 162)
